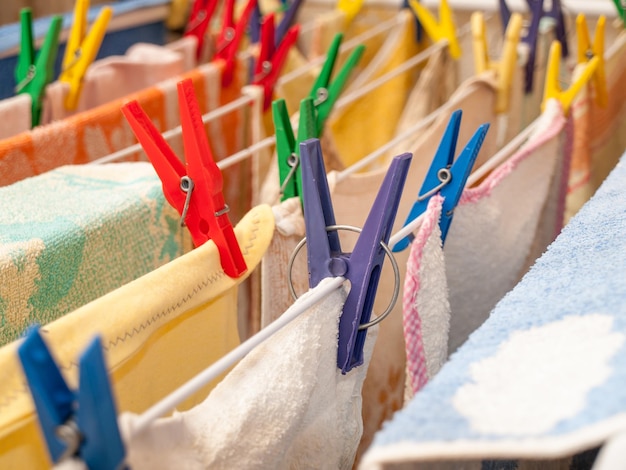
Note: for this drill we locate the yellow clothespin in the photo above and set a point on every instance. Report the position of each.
(505, 67)
(444, 29)
(350, 7)
(552, 88)
(586, 51)
(82, 48)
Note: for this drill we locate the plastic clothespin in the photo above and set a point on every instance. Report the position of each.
(552, 88)
(587, 51)
(621, 10)
(195, 192)
(271, 57)
(199, 21)
(33, 75)
(288, 148)
(230, 37)
(363, 266)
(556, 13)
(326, 93)
(81, 49)
(530, 38)
(286, 22)
(255, 24)
(350, 8)
(81, 423)
(419, 33)
(505, 67)
(445, 177)
(444, 29)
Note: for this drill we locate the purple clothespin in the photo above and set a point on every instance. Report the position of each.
(254, 29)
(363, 266)
(287, 21)
(80, 423)
(561, 33)
(536, 11)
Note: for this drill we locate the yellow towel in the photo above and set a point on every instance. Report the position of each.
(158, 332)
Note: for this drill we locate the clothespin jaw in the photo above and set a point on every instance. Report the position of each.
(230, 37)
(271, 58)
(33, 75)
(587, 50)
(350, 8)
(445, 177)
(195, 192)
(80, 423)
(621, 10)
(444, 29)
(288, 148)
(552, 89)
(363, 266)
(81, 49)
(505, 67)
(326, 93)
(199, 21)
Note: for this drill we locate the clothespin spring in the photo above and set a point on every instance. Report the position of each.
(71, 435)
(32, 71)
(445, 176)
(339, 268)
(294, 162)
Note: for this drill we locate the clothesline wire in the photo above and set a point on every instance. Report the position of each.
(212, 372)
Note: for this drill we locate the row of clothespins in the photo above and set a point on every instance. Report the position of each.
(196, 192)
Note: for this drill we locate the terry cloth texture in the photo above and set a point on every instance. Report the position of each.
(600, 137)
(114, 77)
(76, 233)
(541, 378)
(99, 132)
(158, 332)
(284, 406)
(499, 227)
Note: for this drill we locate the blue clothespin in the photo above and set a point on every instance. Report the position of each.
(532, 33)
(446, 178)
(288, 18)
(363, 266)
(255, 25)
(80, 423)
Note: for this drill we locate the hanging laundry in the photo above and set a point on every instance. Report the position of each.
(161, 330)
(312, 420)
(600, 131)
(114, 77)
(538, 381)
(500, 226)
(96, 229)
(16, 115)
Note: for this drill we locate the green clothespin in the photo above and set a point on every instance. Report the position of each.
(325, 93)
(33, 75)
(288, 148)
(621, 6)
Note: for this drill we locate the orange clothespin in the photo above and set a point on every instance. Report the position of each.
(272, 57)
(81, 49)
(444, 29)
(505, 67)
(196, 191)
(587, 51)
(199, 20)
(230, 37)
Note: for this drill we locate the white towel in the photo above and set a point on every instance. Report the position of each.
(284, 406)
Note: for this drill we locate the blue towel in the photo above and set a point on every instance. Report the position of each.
(544, 376)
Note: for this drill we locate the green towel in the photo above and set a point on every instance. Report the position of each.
(71, 235)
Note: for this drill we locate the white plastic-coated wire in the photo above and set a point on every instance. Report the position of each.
(176, 131)
(212, 372)
(224, 363)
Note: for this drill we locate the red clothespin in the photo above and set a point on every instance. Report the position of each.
(272, 57)
(230, 37)
(195, 192)
(199, 20)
